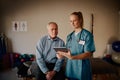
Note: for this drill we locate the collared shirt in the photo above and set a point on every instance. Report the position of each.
(46, 53)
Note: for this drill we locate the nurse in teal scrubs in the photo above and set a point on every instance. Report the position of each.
(81, 46)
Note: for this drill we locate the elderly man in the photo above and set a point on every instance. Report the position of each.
(50, 67)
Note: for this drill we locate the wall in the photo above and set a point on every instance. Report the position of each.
(119, 25)
(39, 13)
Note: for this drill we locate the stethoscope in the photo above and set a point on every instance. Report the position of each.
(79, 36)
(70, 38)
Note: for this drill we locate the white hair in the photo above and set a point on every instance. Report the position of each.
(51, 23)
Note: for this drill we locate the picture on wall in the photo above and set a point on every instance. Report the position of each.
(15, 26)
(23, 26)
(18, 26)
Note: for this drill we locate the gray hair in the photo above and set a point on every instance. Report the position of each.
(51, 23)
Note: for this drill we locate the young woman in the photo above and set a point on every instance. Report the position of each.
(81, 46)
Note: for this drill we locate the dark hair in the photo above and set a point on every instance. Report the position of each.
(80, 16)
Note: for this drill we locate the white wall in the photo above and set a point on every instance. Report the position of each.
(39, 13)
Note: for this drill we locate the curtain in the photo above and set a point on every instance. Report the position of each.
(3, 45)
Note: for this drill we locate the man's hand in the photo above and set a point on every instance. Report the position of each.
(50, 75)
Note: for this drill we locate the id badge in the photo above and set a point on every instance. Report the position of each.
(82, 42)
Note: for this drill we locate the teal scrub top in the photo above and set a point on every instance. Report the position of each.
(82, 42)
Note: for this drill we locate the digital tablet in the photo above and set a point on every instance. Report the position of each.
(64, 49)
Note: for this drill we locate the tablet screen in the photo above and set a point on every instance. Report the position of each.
(64, 49)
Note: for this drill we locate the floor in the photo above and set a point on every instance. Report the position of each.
(11, 75)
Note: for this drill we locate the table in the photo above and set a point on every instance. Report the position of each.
(101, 67)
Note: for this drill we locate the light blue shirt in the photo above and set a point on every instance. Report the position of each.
(46, 53)
(79, 44)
